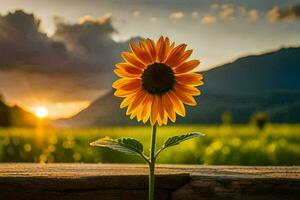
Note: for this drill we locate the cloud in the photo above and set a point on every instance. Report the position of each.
(288, 15)
(214, 6)
(136, 13)
(74, 64)
(176, 15)
(87, 18)
(208, 19)
(227, 12)
(242, 10)
(253, 15)
(195, 14)
(153, 19)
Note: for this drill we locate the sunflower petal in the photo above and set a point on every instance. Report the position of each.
(185, 97)
(154, 110)
(140, 54)
(194, 79)
(178, 105)
(138, 97)
(123, 74)
(147, 109)
(132, 59)
(145, 48)
(188, 89)
(165, 121)
(149, 47)
(161, 50)
(134, 112)
(143, 106)
(186, 66)
(127, 84)
(129, 68)
(182, 58)
(160, 108)
(175, 53)
(169, 108)
(127, 101)
(125, 93)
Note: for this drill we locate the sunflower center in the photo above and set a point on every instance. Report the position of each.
(158, 78)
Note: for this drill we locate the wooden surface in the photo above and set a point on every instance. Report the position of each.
(178, 182)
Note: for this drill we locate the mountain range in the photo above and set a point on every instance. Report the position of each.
(268, 82)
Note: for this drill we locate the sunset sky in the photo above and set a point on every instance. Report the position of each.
(60, 54)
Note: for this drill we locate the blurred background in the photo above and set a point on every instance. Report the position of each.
(56, 69)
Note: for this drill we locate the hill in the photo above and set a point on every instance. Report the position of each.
(15, 116)
(268, 82)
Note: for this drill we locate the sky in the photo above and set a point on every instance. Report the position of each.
(60, 54)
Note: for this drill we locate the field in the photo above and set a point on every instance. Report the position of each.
(222, 145)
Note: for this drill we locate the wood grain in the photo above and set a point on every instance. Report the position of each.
(178, 182)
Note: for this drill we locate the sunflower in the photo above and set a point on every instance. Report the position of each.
(156, 81)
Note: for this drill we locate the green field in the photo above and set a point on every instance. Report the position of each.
(222, 145)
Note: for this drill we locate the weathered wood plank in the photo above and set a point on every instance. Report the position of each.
(106, 181)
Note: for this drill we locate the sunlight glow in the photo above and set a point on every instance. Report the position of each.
(41, 112)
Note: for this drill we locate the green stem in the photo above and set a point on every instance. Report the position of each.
(152, 164)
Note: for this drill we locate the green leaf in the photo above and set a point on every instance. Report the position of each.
(126, 145)
(175, 140)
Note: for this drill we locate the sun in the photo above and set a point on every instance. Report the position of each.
(41, 112)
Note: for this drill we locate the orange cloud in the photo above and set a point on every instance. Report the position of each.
(136, 13)
(227, 12)
(176, 15)
(208, 19)
(253, 15)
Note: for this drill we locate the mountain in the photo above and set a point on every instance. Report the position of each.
(15, 116)
(268, 82)
(274, 71)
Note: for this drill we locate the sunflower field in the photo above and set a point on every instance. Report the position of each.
(222, 145)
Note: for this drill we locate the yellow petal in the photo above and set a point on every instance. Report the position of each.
(129, 68)
(185, 97)
(140, 54)
(188, 89)
(181, 58)
(178, 105)
(160, 108)
(193, 79)
(169, 107)
(160, 49)
(134, 112)
(138, 97)
(147, 109)
(175, 53)
(123, 74)
(143, 105)
(127, 84)
(149, 47)
(133, 60)
(124, 93)
(187, 66)
(165, 121)
(127, 100)
(154, 110)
